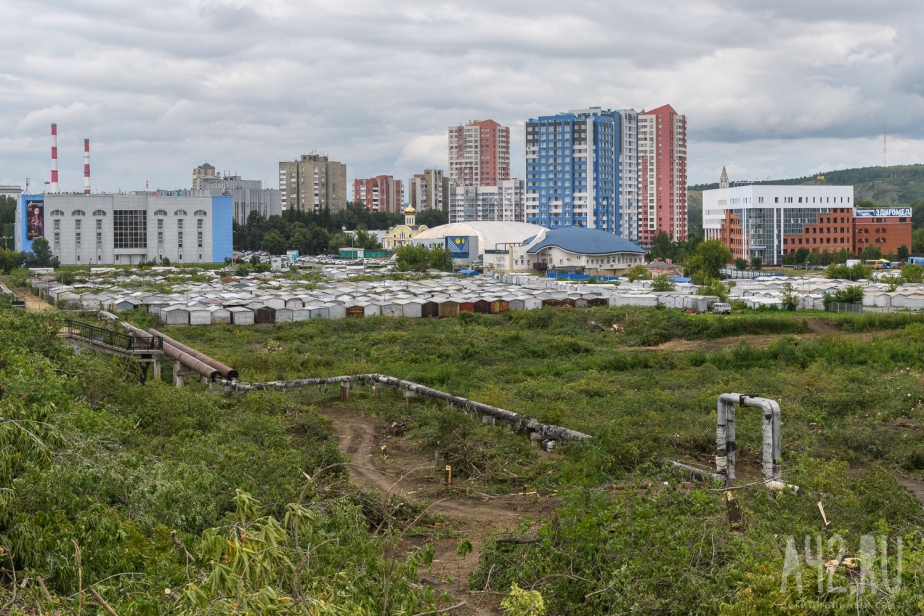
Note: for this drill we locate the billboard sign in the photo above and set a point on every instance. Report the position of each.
(457, 246)
(883, 212)
(35, 219)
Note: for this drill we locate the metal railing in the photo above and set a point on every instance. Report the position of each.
(855, 307)
(108, 337)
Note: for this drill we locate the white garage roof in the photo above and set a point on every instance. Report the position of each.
(490, 234)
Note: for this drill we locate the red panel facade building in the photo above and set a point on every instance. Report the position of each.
(662, 158)
(383, 193)
(479, 153)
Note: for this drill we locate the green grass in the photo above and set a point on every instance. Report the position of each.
(853, 419)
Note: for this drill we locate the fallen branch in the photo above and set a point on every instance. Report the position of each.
(101, 601)
(517, 541)
(442, 611)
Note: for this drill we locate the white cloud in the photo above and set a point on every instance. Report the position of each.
(782, 88)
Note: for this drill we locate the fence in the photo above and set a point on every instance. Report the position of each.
(108, 337)
(563, 276)
(855, 308)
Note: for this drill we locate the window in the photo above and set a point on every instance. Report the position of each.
(77, 235)
(179, 234)
(180, 213)
(57, 228)
(200, 213)
(130, 228)
(160, 213)
(99, 234)
(160, 233)
(56, 213)
(99, 213)
(78, 213)
(199, 232)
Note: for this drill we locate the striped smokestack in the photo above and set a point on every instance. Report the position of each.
(54, 158)
(86, 166)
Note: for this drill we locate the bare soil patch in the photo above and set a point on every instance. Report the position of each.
(466, 513)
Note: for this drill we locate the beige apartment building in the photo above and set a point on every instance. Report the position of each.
(312, 183)
(203, 172)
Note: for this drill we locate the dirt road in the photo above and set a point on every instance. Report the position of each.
(405, 472)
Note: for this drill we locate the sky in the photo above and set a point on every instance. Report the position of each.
(770, 89)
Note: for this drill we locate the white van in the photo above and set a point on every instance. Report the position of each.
(721, 308)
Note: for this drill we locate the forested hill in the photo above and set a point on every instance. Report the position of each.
(899, 184)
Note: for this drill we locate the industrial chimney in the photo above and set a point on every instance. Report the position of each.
(54, 158)
(86, 166)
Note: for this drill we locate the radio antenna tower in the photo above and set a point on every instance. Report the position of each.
(885, 151)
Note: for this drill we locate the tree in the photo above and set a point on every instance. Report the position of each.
(661, 246)
(412, 258)
(857, 271)
(663, 282)
(715, 287)
(711, 256)
(871, 252)
(912, 273)
(432, 218)
(757, 263)
(638, 272)
(790, 297)
(10, 260)
(741, 264)
(917, 240)
(41, 255)
(846, 295)
(903, 253)
(440, 259)
(274, 243)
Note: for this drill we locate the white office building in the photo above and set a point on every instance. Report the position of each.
(126, 229)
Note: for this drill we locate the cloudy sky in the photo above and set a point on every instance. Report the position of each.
(160, 87)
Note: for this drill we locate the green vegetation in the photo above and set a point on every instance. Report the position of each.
(96, 471)
(846, 295)
(638, 272)
(849, 404)
(857, 271)
(419, 258)
(663, 282)
(313, 233)
(710, 257)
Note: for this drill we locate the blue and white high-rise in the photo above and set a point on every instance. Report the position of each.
(582, 171)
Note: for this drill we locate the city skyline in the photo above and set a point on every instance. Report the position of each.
(778, 92)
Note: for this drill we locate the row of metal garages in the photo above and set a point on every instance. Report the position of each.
(256, 314)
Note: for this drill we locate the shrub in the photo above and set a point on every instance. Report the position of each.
(663, 282)
(847, 295)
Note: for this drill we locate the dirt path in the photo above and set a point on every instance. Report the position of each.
(760, 340)
(407, 473)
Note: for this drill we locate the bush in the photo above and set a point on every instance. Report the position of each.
(638, 272)
(847, 295)
(663, 282)
(858, 271)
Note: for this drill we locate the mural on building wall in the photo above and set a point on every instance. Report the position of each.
(35, 221)
(457, 246)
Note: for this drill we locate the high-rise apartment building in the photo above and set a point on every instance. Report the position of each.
(479, 153)
(425, 191)
(203, 172)
(248, 196)
(501, 203)
(662, 144)
(313, 183)
(383, 193)
(581, 170)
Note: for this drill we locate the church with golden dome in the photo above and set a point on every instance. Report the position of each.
(400, 235)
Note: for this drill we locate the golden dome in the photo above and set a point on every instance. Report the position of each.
(409, 210)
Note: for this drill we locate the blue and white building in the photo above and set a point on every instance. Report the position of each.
(126, 229)
(582, 171)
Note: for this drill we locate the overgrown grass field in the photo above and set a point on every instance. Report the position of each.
(852, 404)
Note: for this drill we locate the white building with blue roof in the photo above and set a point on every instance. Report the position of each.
(588, 251)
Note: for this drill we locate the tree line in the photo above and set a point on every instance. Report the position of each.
(321, 232)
